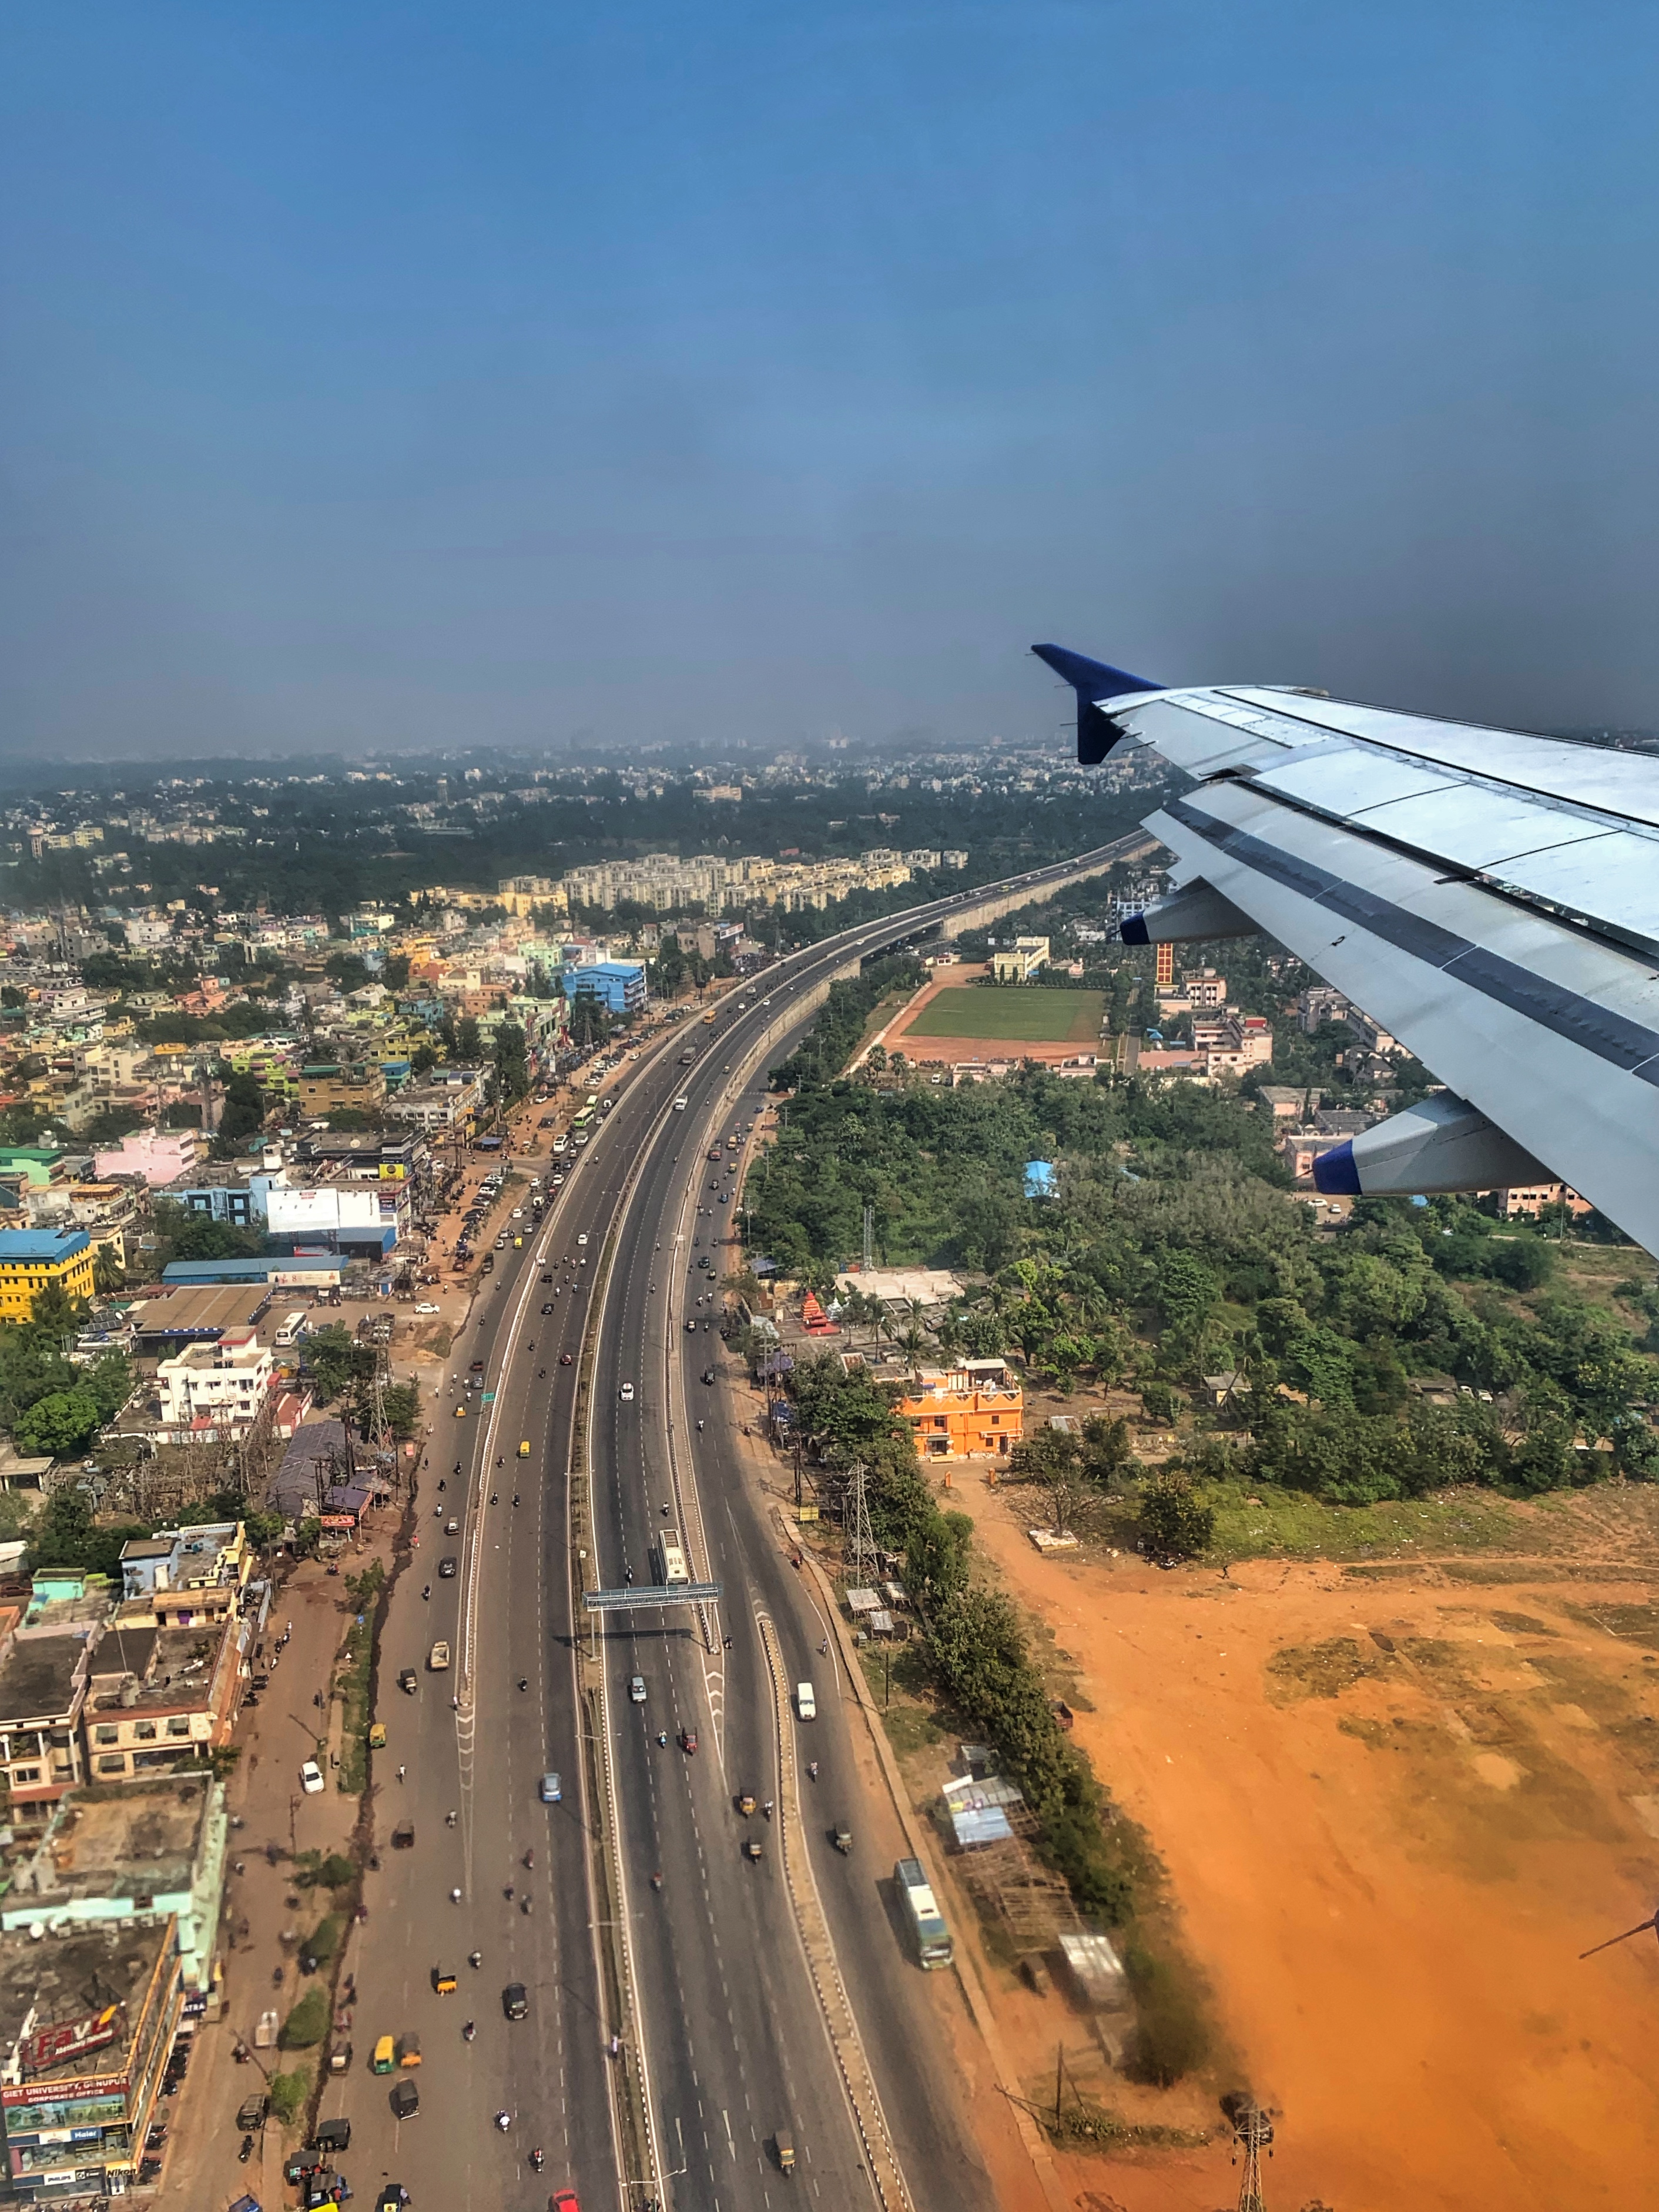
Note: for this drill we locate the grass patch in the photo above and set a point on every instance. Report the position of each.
(288, 2093)
(351, 1684)
(1260, 1522)
(1037, 1016)
(1320, 1670)
(1630, 1624)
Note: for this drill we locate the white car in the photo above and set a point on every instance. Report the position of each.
(310, 1779)
(637, 1689)
(627, 1393)
(582, 1239)
(518, 1213)
(426, 1306)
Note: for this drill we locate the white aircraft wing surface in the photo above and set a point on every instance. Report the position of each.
(1489, 898)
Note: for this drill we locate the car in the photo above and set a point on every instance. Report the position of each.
(547, 1274)
(405, 2100)
(552, 1790)
(452, 1527)
(547, 1305)
(310, 1779)
(705, 1261)
(707, 1374)
(637, 1689)
(565, 1359)
(515, 2001)
(518, 1213)
(448, 1567)
(564, 2201)
(501, 1242)
(582, 1239)
(626, 1394)
(690, 1326)
(438, 1658)
(426, 1306)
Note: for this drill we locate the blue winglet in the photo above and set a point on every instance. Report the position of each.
(1334, 1172)
(1093, 681)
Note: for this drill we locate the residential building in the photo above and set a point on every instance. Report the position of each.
(1018, 963)
(220, 1386)
(89, 2014)
(973, 1407)
(161, 1698)
(43, 1688)
(232, 1191)
(341, 1086)
(1319, 1003)
(31, 1260)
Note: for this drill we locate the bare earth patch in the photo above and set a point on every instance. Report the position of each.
(1394, 1808)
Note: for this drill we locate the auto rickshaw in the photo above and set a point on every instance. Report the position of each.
(443, 1981)
(842, 1836)
(377, 1736)
(751, 1850)
(785, 2149)
(746, 1803)
(385, 2055)
(523, 1448)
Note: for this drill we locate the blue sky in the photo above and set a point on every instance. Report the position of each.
(411, 376)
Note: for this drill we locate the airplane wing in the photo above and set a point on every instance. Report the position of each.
(1489, 898)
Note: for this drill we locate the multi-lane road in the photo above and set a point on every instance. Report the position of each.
(722, 2032)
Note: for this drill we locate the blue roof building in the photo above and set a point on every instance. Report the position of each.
(618, 985)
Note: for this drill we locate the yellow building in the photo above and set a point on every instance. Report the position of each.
(335, 1086)
(30, 1259)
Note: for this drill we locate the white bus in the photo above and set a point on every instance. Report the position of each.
(290, 1329)
(926, 1922)
(561, 1144)
(671, 1558)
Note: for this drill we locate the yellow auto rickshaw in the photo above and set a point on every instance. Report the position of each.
(443, 1981)
(385, 2055)
(523, 1448)
(377, 1736)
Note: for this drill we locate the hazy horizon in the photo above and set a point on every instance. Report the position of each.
(392, 382)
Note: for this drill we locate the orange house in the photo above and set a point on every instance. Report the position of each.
(975, 1407)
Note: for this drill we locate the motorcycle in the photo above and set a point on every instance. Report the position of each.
(503, 2121)
(468, 2031)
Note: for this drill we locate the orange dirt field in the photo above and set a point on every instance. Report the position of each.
(1393, 1808)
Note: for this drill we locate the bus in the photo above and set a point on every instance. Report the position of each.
(671, 1558)
(583, 1127)
(927, 1923)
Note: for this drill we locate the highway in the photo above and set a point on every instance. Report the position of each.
(732, 2044)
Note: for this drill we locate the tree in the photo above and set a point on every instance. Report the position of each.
(307, 2024)
(469, 1045)
(1175, 1523)
(401, 1404)
(62, 1422)
(336, 1360)
(108, 1275)
(243, 1113)
(1052, 1459)
(182, 1233)
(512, 1065)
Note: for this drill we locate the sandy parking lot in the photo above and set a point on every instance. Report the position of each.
(1395, 1806)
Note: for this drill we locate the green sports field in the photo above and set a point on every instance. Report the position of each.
(1014, 1014)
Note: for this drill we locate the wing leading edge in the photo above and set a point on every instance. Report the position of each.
(1489, 898)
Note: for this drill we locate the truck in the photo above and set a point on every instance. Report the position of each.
(671, 1558)
(922, 1915)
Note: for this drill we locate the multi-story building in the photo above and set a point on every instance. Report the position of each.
(973, 1408)
(618, 985)
(43, 1688)
(220, 1386)
(160, 1697)
(32, 1259)
(89, 2015)
(341, 1086)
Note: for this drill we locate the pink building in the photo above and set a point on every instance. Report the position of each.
(160, 1156)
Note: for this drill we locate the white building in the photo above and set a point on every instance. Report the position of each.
(224, 1382)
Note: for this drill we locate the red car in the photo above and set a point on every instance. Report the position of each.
(688, 1739)
(564, 2202)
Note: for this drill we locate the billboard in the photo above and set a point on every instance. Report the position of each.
(70, 2039)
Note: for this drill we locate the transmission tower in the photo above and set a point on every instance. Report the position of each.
(1253, 2133)
(861, 1560)
(869, 1240)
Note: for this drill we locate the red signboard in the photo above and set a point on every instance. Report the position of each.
(70, 2039)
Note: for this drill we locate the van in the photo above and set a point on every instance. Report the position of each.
(289, 1330)
(806, 1703)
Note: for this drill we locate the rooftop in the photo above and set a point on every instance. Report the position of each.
(50, 1245)
(70, 1975)
(37, 1680)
